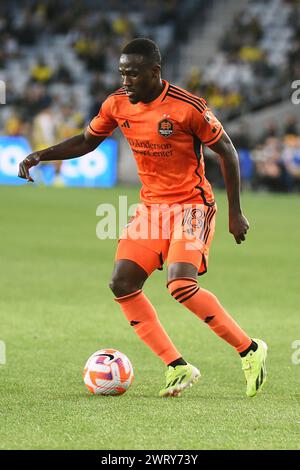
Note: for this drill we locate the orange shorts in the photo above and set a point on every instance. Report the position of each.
(177, 233)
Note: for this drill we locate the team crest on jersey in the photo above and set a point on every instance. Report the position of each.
(165, 127)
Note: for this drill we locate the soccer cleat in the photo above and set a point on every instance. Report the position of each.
(254, 367)
(178, 378)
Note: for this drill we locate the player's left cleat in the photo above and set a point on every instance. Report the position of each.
(178, 378)
(254, 367)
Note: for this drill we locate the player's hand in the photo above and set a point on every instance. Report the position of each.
(238, 226)
(32, 160)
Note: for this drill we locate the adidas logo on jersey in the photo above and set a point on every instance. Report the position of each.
(125, 124)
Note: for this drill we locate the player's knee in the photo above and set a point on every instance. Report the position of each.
(121, 286)
(182, 289)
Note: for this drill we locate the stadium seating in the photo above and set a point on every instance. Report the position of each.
(66, 63)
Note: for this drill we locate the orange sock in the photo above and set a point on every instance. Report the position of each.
(207, 307)
(143, 317)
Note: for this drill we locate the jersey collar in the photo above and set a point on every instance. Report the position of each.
(157, 100)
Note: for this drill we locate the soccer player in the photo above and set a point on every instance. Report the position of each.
(166, 127)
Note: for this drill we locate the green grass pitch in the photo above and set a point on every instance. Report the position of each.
(56, 309)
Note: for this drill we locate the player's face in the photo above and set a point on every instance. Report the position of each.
(139, 78)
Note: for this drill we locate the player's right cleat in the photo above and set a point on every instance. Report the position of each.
(178, 378)
(254, 367)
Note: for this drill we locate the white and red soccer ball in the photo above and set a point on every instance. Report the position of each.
(108, 372)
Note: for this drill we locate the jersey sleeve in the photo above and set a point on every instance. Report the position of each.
(104, 123)
(206, 126)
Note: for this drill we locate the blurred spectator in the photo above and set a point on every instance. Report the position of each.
(122, 26)
(193, 83)
(78, 46)
(96, 105)
(33, 100)
(250, 53)
(15, 126)
(291, 125)
(69, 122)
(269, 170)
(44, 127)
(241, 138)
(291, 159)
(270, 130)
(44, 134)
(41, 72)
(63, 75)
(257, 56)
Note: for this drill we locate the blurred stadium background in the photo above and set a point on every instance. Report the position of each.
(59, 60)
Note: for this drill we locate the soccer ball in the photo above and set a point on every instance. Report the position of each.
(108, 372)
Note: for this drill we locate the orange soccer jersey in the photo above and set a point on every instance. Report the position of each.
(166, 137)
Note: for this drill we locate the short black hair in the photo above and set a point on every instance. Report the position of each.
(145, 47)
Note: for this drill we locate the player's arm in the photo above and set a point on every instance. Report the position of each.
(238, 224)
(71, 148)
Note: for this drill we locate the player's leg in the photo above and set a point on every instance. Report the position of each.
(188, 256)
(128, 278)
(134, 264)
(183, 286)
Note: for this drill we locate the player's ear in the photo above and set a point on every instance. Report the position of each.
(156, 70)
